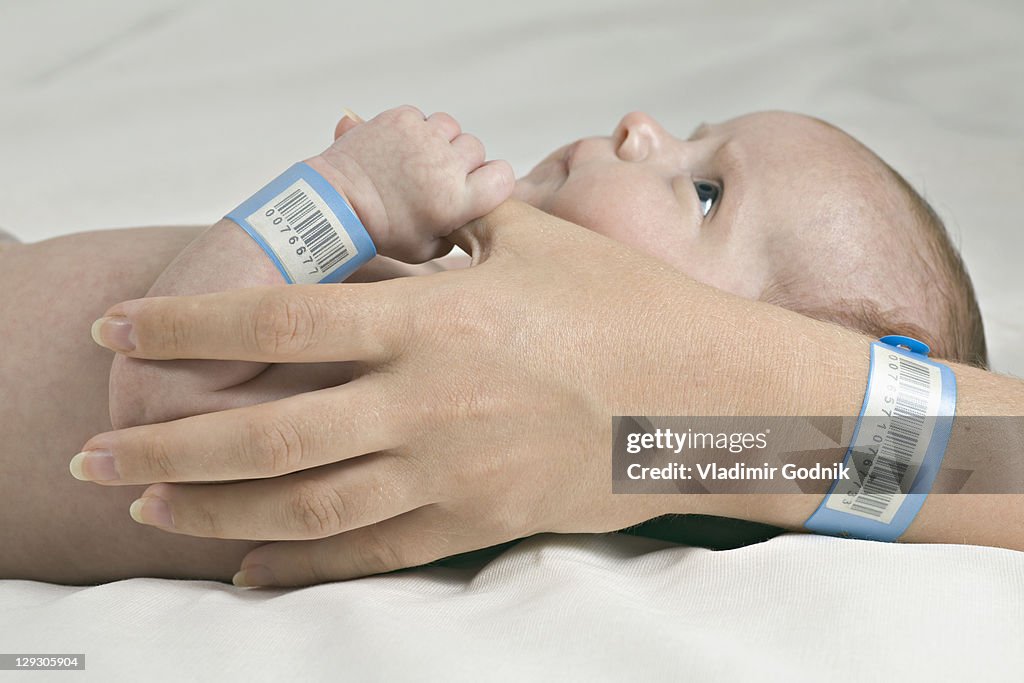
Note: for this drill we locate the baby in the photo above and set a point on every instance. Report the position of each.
(772, 206)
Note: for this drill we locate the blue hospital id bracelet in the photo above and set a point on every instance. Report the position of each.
(897, 447)
(306, 227)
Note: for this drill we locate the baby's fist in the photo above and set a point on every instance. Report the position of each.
(412, 180)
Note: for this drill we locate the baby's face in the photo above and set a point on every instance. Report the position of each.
(738, 205)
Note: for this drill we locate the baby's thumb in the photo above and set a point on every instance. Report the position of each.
(347, 122)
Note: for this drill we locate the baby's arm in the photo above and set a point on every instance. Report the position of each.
(410, 180)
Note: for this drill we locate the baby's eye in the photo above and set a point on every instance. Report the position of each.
(707, 195)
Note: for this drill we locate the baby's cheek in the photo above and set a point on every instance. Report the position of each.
(633, 216)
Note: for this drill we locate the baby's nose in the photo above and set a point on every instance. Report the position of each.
(637, 136)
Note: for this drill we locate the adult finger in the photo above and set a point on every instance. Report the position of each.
(283, 324)
(415, 538)
(265, 440)
(306, 505)
(505, 225)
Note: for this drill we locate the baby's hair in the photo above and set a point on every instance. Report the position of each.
(963, 339)
(958, 333)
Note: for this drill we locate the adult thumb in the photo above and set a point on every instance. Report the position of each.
(506, 227)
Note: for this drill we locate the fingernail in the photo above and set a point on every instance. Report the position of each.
(349, 114)
(94, 466)
(114, 333)
(153, 511)
(253, 576)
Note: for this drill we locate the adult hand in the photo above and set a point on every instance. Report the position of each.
(481, 412)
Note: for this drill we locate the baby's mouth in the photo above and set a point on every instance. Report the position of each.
(569, 155)
(552, 166)
(545, 178)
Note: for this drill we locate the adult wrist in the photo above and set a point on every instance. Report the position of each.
(702, 351)
(729, 356)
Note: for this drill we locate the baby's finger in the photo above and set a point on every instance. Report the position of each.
(347, 122)
(415, 538)
(447, 125)
(488, 186)
(471, 150)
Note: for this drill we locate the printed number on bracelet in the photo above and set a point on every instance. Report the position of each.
(306, 235)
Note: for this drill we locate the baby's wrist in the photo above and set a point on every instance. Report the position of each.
(359, 192)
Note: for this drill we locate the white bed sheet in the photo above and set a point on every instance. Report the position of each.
(117, 113)
(573, 607)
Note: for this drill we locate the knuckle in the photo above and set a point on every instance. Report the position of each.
(475, 143)
(159, 462)
(165, 329)
(509, 520)
(283, 324)
(276, 444)
(203, 519)
(402, 320)
(409, 112)
(448, 120)
(420, 322)
(316, 568)
(464, 400)
(180, 333)
(505, 177)
(461, 315)
(375, 552)
(317, 509)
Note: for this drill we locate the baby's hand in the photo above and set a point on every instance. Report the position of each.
(412, 180)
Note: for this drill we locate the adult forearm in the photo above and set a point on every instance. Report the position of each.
(781, 363)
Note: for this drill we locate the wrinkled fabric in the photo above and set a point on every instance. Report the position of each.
(575, 607)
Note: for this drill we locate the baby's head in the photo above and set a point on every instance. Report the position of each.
(778, 207)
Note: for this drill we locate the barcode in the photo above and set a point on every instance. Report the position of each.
(887, 476)
(316, 231)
